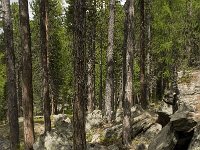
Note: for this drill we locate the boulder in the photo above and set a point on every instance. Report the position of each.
(119, 116)
(153, 131)
(113, 147)
(96, 138)
(195, 142)
(59, 119)
(112, 133)
(96, 146)
(183, 121)
(94, 119)
(59, 138)
(55, 141)
(165, 140)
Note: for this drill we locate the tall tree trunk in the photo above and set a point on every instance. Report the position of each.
(11, 77)
(27, 90)
(44, 53)
(128, 73)
(79, 105)
(19, 90)
(109, 95)
(101, 101)
(91, 54)
(101, 74)
(143, 87)
(148, 49)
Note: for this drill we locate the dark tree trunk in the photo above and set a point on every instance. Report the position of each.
(101, 101)
(27, 90)
(11, 77)
(101, 74)
(79, 105)
(148, 49)
(109, 95)
(19, 90)
(91, 36)
(44, 57)
(143, 87)
(128, 71)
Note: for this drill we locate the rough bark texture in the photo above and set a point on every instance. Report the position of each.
(27, 90)
(101, 75)
(148, 49)
(19, 91)
(128, 74)
(91, 35)
(11, 77)
(79, 136)
(109, 95)
(44, 57)
(142, 58)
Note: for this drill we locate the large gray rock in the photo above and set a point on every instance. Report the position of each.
(94, 119)
(112, 133)
(59, 138)
(55, 141)
(195, 142)
(152, 131)
(57, 119)
(184, 121)
(119, 116)
(165, 140)
(96, 147)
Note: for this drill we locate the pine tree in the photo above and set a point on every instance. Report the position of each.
(79, 105)
(128, 71)
(109, 95)
(11, 76)
(91, 46)
(44, 57)
(27, 90)
(143, 87)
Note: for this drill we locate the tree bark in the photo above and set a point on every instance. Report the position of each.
(19, 91)
(128, 71)
(91, 46)
(11, 76)
(148, 49)
(79, 105)
(27, 90)
(101, 74)
(44, 57)
(109, 95)
(143, 87)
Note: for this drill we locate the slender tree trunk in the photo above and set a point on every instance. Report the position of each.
(148, 49)
(109, 95)
(19, 91)
(101, 101)
(45, 72)
(11, 76)
(101, 74)
(128, 74)
(91, 54)
(27, 90)
(143, 87)
(79, 105)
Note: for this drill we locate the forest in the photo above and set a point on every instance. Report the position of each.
(99, 74)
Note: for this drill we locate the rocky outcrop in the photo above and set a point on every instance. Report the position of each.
(166, 139)
(182, 131)
(94, 119)
(59, 138)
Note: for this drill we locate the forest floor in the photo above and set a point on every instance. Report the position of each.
(189, 85)
(4, 130)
